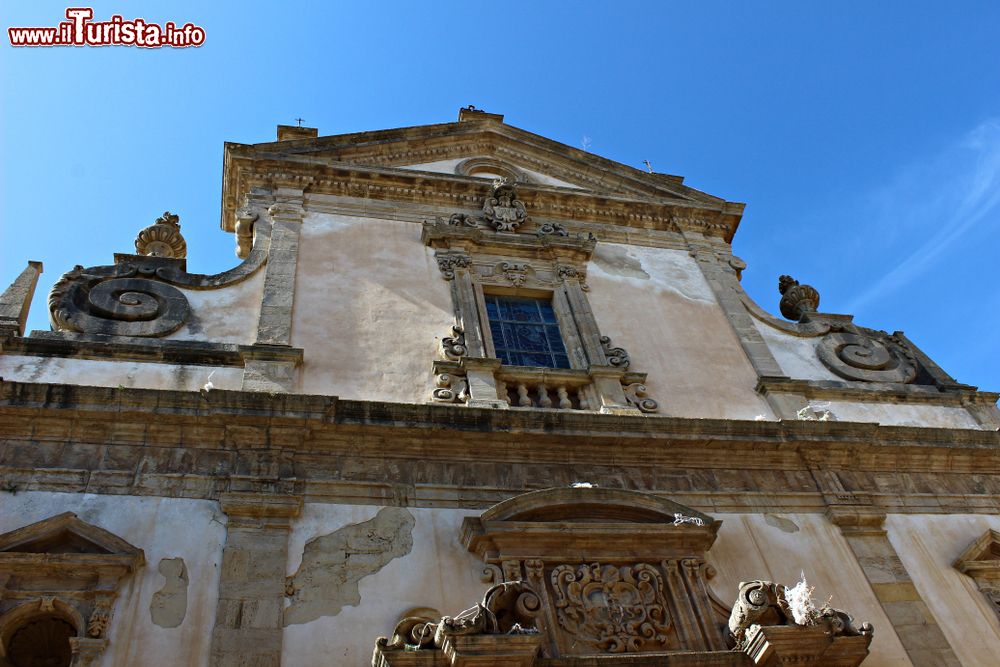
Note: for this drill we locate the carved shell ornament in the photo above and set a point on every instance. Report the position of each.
(162, 238)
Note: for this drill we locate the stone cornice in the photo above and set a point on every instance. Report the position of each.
(461, 192)
(307, 422)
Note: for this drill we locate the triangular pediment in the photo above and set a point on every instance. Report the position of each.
(439, 148)
(65, 533)
(981, 555)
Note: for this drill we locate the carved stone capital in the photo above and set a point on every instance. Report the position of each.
(260, 509)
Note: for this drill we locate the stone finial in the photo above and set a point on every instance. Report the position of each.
(162, 238)
(796, 299)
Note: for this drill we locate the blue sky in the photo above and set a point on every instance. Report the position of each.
(864, 137)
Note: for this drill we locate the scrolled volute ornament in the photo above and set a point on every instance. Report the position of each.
(796, 299)
(616, 356)
(453, 346)
(139, 295)
(507, 608)
(162, 238)
(115, 300)
(866, 357)
(637, 396)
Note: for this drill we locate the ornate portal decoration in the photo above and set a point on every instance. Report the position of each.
(868, 357)
(796, 299)
(614, 609)
(139, 295)
(162, 239)
(503, 210)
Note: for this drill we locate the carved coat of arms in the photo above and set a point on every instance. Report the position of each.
(615, 609)
(503, 210)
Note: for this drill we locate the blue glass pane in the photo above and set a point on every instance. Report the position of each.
(548, 315)
(529, 338)
(524, 311)
(492, 310)
(562, 361)
(529, 359)
(555, 340)
(511, 358)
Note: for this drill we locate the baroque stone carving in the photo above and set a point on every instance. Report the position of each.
(499, 630)
(453, 346)
(246, 216)
(450, 388)
(448, 263)
(764, 603)
(138, 296)
(615, 609)
(162, 239)
(503, 210)
(636, 395)
(550, 229)
(868, 357)
(616, 356)
(463, 220)
(516, 272)
(796, 299)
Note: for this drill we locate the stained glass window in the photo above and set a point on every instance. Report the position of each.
(525, 332)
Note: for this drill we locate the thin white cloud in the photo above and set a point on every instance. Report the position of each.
(944, 198)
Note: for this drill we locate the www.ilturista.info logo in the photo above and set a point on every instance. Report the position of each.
(79, 30)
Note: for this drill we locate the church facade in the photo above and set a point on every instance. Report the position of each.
(470, 396)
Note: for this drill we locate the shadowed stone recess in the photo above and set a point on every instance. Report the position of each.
(333, 564)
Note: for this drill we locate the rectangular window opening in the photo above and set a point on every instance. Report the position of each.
(526, 332)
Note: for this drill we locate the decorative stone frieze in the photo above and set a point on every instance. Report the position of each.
(59, 578)
(162, 239)
(981, 561)
(138, 296)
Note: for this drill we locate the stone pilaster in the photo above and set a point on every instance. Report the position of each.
(248, 623)
(16, 300)
(916, 627)
(266, 370)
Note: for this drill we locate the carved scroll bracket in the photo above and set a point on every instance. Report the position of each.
(138, 295)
